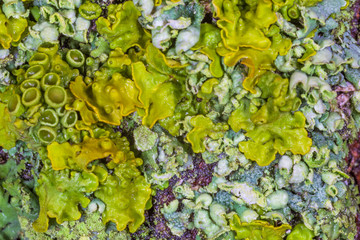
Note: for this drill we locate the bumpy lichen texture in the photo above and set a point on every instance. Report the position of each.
(131, 189)
(8, 138)
(286, 133)
(301, 232)
(16, 198)
(204, 127)
(110, 100)
(160, 85)
(223, 119)
(257, 230)
(208, 41)
(125, 194)
(59, 195)
(12, 29)
(272, 128)
(121, 28)
(78, 156)
(259, 42)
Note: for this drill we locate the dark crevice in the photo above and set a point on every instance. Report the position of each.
(353, 160)
(356, 20)
(3, 156)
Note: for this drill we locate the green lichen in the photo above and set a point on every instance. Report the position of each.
(145, 139)
(281, 74)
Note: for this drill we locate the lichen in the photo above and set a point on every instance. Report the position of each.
(177, 119)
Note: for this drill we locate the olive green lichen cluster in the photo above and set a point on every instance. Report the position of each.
(265, 94)
(17, 199)
(41, 95)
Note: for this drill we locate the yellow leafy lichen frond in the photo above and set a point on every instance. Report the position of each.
(110, 100)
(122, 28)
(125, 194)
(78, 156)
(257, 61)
(158, 95)
(60, 193)
(7, 133)
(203, 128)
(209, 39)
(272, 128)
(248, 34)
(244, 28)
(257, 230)
(11, 30)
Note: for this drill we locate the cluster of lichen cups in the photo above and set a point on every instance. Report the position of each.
(42, 95)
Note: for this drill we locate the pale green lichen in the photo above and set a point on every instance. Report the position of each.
(321, 65)
(145, 139)
(278, 199)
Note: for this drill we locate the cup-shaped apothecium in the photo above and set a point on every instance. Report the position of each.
(48, 48)
(75, 58)
(15, 106)
(49, 118)
(31, 97)
(46, 134)
(50, 79)
(29, 83)
(69, 119)
(55, 96)
(40, 59)
(35, 71)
